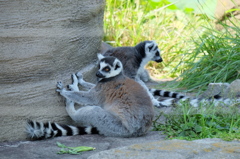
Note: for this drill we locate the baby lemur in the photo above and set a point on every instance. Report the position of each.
(116, 106)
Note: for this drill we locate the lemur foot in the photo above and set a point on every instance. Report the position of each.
(156, 103)
(59, 87)
(80, 78)
(165, 103)
(79, 75)
(74, 85)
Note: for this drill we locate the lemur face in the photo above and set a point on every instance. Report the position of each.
(108, 67)
(152, 51)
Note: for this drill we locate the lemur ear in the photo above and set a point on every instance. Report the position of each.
(118, 65)
(100, 56)
(149, 45)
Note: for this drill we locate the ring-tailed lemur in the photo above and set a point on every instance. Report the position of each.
(134, 59)
(117, 106)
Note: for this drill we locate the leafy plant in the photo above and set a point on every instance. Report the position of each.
(73, 150)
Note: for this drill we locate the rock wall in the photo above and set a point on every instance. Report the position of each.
(42, 42)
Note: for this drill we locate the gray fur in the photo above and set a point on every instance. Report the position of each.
(118, 106)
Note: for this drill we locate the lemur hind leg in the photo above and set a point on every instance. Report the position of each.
(83, 83)
(74, 85)
(81, 97)
(70, 104)
(95, 116)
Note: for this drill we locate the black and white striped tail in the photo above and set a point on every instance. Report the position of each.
(40, 130)
(195, 102)
(163, 93)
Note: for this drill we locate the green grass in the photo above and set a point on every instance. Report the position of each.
(194, 52)
(189, 123)
(216, 58)
(127, 23)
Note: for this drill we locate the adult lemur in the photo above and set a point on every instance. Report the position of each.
(117, 106)
(134, 59)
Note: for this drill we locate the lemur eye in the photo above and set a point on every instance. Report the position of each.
(106, 69)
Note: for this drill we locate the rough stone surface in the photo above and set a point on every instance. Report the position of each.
(217, 88)
(177, 149)
(151, 146)
(48, 148)
(41, 43)
(235, 87)
(227, 90)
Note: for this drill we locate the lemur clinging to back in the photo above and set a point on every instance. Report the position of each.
(116, 106)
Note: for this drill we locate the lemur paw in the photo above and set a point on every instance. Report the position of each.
(59, 86)
(156, 103)
(80, 78)
(165, 103)
(159, 105)
(79, 75)
(74, 85)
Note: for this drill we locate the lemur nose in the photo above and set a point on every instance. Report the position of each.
(159, 60)
(99, 74)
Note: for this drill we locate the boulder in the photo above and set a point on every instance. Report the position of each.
(42, 42)
(226, 90)
(235, 87)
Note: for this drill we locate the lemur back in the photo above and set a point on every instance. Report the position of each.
(116, 106)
